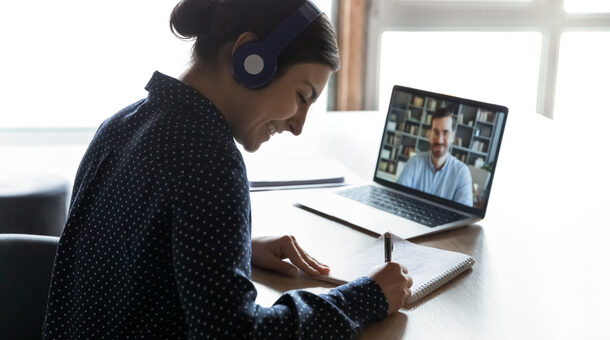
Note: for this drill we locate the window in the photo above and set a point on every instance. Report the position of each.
(513, 47)
(582, 80)
(74, 63)
(587, 6)
(497, 67)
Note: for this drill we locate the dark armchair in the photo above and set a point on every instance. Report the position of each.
(26, 262)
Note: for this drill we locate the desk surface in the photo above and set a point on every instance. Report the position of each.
(541, 251)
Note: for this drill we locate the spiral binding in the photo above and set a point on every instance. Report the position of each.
(445, 277)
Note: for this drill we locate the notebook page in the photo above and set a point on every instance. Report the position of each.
(428, 267)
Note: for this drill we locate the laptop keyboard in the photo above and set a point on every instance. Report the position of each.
(403, 206)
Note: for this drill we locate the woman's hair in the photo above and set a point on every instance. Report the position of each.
(214, 23)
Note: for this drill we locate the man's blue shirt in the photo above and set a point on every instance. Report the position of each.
(452, 181)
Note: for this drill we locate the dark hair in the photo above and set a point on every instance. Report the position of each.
(216, 22)
(442, 113)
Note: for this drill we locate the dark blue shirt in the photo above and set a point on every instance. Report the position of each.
(157, 242)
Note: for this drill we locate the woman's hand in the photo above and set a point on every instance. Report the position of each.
(395, 284)
(268, 252)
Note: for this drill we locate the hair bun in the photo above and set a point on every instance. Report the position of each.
(191, 18)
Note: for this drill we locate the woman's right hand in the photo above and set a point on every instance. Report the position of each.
(395, 284)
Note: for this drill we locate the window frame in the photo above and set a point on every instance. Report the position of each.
(547, 17)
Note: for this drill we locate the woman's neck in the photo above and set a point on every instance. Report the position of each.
(216, 83)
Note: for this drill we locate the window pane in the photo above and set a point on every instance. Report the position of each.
(497, 67)
(73, 63)
(586, 6)
(582, 79)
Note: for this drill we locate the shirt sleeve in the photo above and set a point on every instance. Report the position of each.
(463, 192)
(211, 251)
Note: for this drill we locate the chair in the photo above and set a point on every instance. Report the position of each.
(26, 262)
(33, 203)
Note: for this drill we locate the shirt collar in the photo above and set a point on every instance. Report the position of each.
(431, 165)
(161, 86)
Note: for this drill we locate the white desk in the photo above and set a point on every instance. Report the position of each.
(542, 251)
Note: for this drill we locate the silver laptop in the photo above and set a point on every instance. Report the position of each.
(434, 170)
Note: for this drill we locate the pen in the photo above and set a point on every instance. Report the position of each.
(387, 246)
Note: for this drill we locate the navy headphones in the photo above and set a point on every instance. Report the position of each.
(255, 62)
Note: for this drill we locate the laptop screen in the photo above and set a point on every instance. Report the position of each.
(441, 147)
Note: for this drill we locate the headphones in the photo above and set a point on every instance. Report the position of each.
(255, 62)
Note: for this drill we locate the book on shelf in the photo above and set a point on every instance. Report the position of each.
(479, 146)
(483, 131)
(401, 126)
(460, 118)
(395, 151)
(485, 116)
(408, 151)
(432, 104)
(383, 165)
(430, 268)
(390, 138)
(424, 132)
(418, 101)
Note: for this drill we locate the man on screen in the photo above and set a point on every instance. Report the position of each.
(436, 171)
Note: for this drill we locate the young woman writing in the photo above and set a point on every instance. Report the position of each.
(157, 242)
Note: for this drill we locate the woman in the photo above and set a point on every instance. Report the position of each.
(157, 243)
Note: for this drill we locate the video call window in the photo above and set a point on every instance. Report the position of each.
(409, 132)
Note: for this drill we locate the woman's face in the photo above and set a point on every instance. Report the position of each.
(280, 106)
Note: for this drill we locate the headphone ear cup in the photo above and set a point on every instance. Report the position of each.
(253, 64)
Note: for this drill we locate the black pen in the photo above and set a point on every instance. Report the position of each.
(388, 246)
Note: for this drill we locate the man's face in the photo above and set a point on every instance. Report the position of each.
(441, 136)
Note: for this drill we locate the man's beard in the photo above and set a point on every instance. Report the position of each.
(441, 153)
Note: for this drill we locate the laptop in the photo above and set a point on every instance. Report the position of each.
(434, 171)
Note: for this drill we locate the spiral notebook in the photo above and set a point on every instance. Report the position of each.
(429, 267)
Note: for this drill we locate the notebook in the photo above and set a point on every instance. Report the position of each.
(430, 268)
(294, 174)
(434, 171)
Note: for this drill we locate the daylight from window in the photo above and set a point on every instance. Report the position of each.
(75, 63)
(587, 6)
(582, 78)
(497, 67)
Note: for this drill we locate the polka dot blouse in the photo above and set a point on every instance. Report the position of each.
(157, 242)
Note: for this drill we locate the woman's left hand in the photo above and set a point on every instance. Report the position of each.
(268, 252)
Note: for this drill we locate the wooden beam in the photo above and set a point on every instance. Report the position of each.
(350, 78)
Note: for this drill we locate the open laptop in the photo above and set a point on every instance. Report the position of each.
(434, 170)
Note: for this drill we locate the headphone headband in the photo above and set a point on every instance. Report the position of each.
(292, 26)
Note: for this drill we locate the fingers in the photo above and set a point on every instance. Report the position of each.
(299, 258)
(408, 279)
(409, 282)
(321, 268)
(284, 268)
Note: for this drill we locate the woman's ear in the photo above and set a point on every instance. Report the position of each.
(242, 39)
